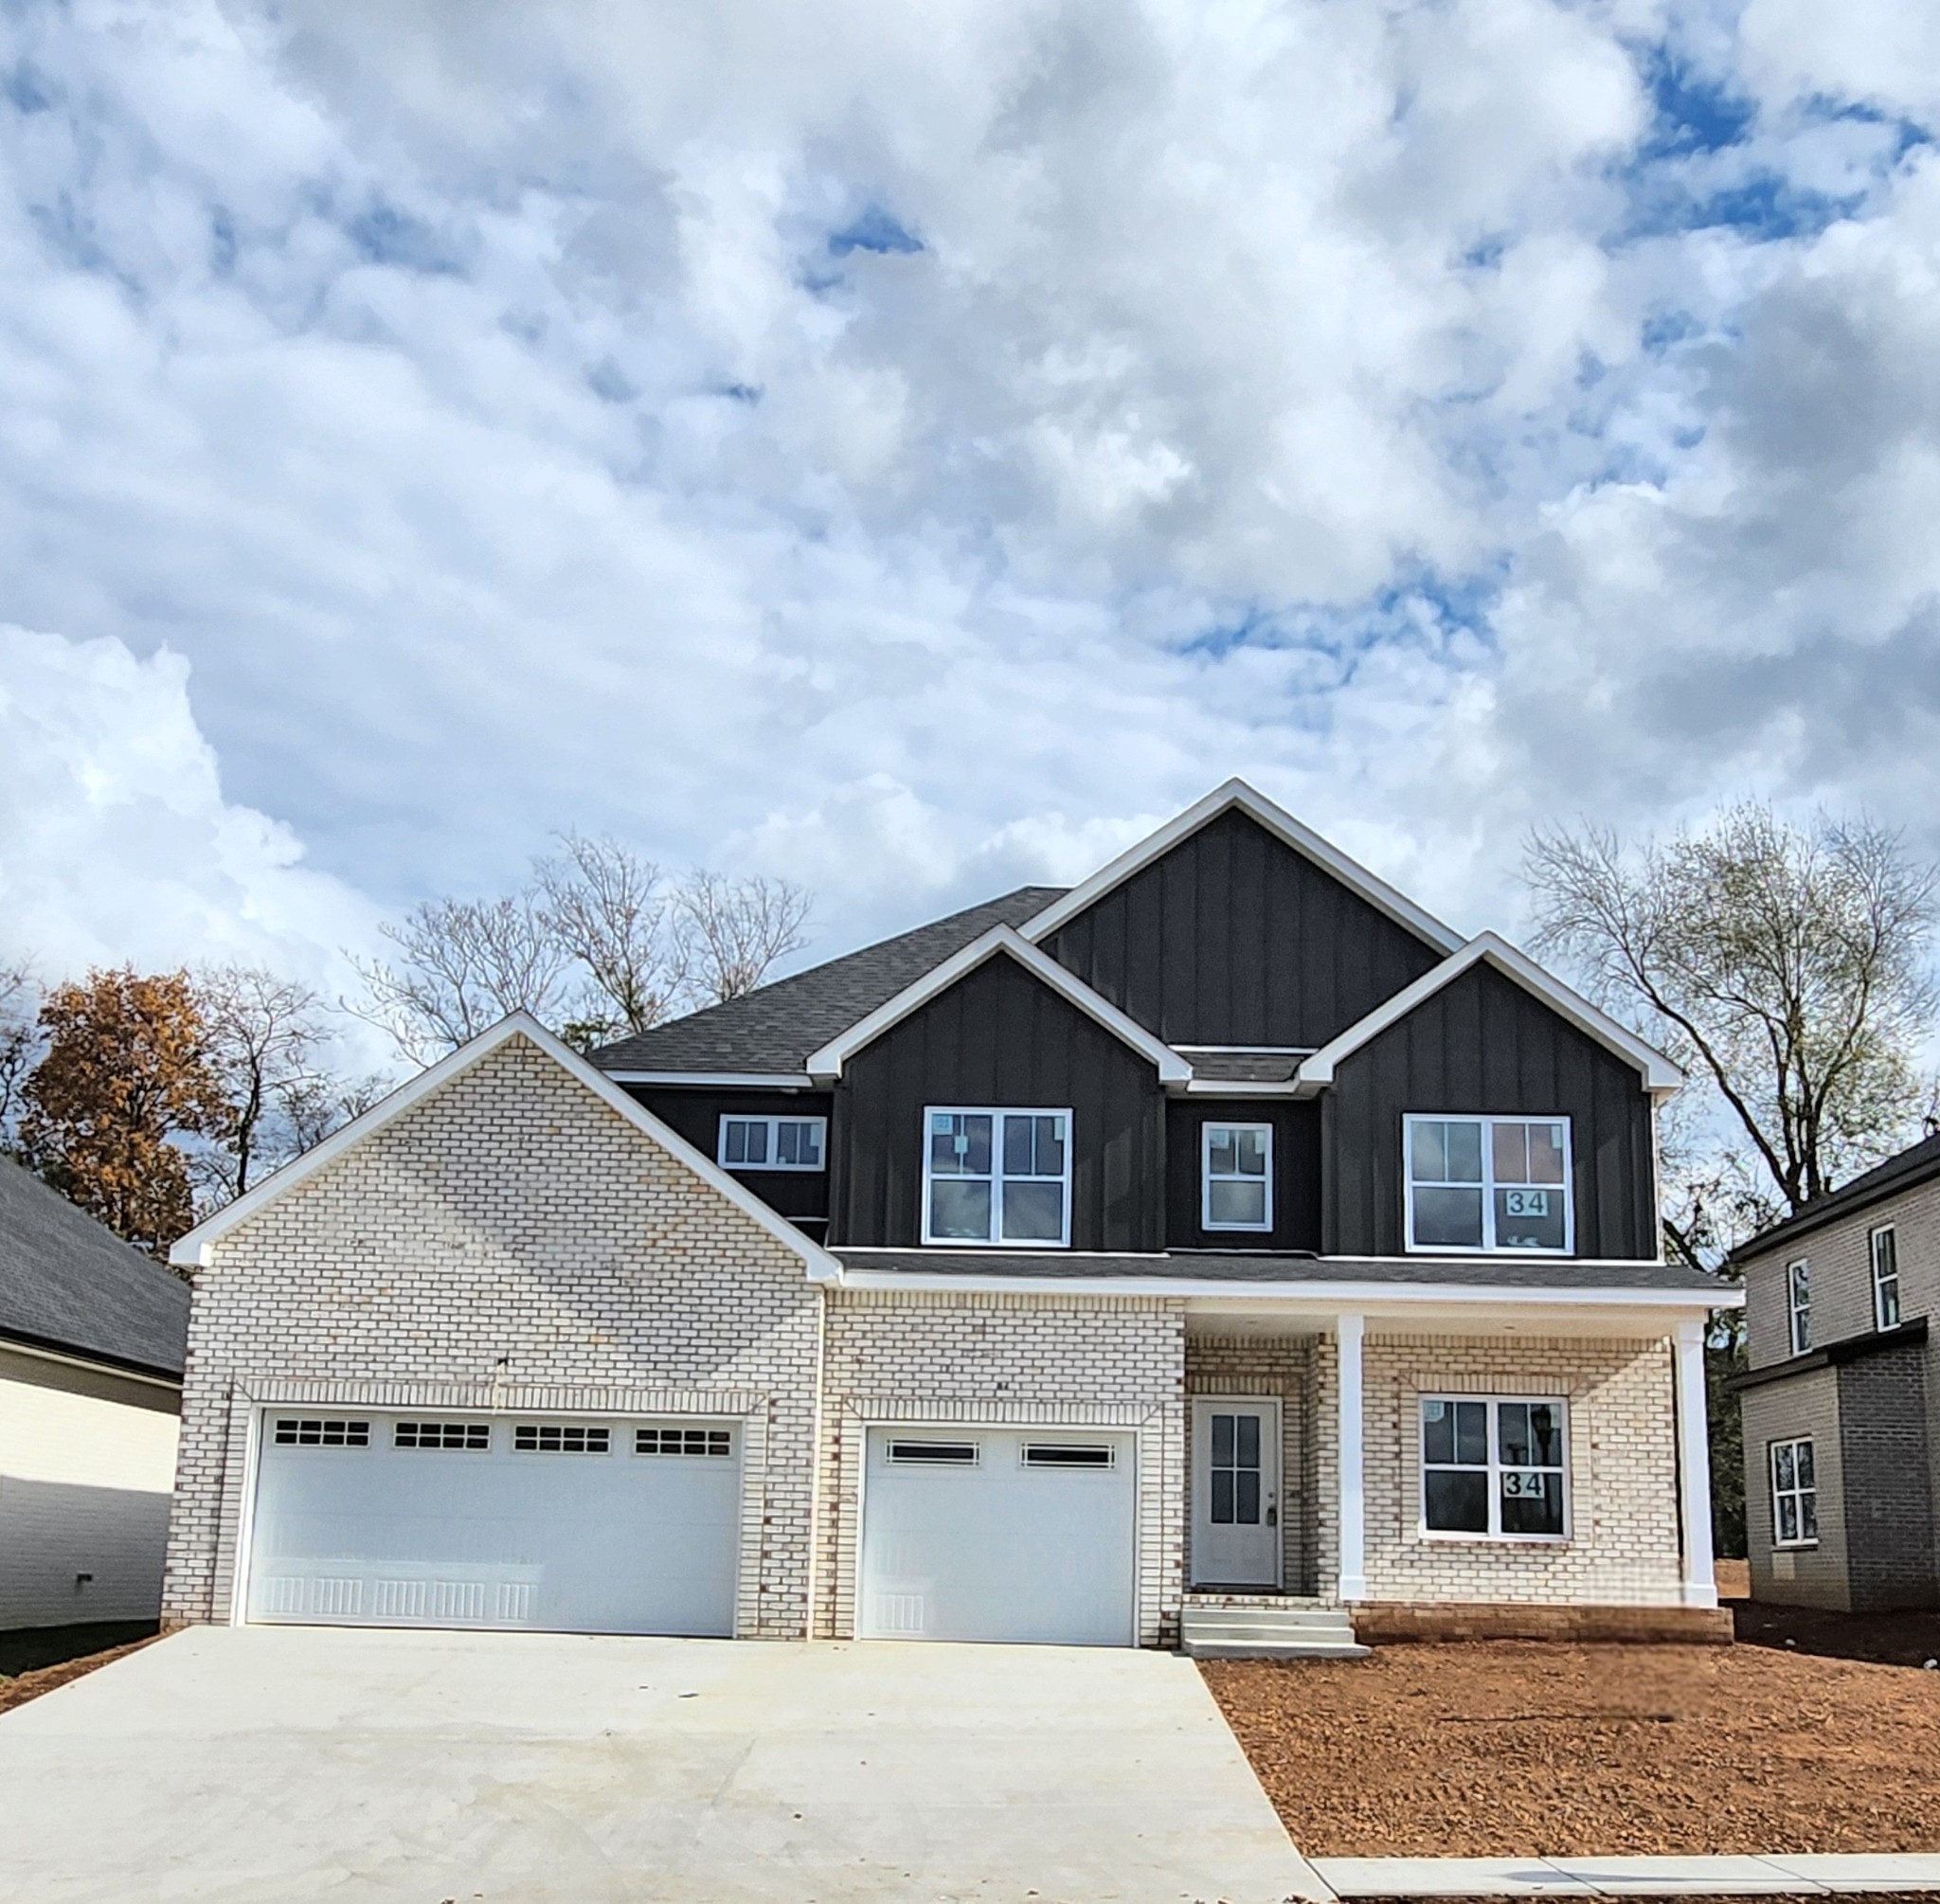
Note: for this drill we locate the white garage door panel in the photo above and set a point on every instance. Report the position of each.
(999, 1550)
(616, 1542)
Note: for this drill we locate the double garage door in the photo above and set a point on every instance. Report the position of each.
(632, 1526)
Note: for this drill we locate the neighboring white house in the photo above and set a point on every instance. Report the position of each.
(92, 1336)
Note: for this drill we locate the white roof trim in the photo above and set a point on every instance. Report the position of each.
(1278, 822)
(196, 1249)
(1660, 1077)
(827, 1062)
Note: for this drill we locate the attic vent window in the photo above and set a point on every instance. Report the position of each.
(934, 1453)
(473, 1435)
(709, 1441)
(323, 1434)
(552, 1438)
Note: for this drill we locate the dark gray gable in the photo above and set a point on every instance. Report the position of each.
(1233, 938)
(774, 1028)
(1483, 1044)
(67, 1284)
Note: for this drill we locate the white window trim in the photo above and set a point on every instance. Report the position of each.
(1488, 1247)
(773, 1123)
(1207, 1179)
(1494, 1537)
(1796, 1311)
(996, 1239)
(1798, 1494)
(1880, 1281)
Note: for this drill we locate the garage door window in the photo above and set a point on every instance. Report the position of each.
(322, 1434)
(550, 1438)
(715, 1442)
(934, 1453)
(1069, 1454)
(476, 1436)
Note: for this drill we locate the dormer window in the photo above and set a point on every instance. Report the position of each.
(773, 1143)
(1489, 1183)
(996, 1176)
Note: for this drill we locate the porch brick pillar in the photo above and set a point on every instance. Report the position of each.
(1699, 1583)
(1354, 1537)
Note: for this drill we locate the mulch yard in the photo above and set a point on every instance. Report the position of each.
(1515, 1748)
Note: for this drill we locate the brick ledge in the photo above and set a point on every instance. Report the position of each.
(1381, 1622)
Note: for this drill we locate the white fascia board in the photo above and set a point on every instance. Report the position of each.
(1349, 1296)
(1239, 1087)
(1660, 1077)
(1000, 941)
(196, 1250)
(1278, 822)
(750, 1081)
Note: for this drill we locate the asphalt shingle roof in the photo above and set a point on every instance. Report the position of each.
(1911, 1167)
(1485, 1273)
(1248, 1068)
(67, 1284)
(776, 1027)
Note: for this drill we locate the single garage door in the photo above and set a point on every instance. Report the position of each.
(579, 1526)
(999, 1534)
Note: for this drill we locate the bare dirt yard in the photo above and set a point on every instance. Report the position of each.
(1513, 1749)
(36, 1663)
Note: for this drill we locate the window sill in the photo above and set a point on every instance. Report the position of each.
(1004, 1245)
(1479, 1250)
(1794, 1546)
(1444, 1537)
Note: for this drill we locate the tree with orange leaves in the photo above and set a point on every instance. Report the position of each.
(127, 1072)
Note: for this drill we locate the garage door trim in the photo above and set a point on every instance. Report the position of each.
(747, 1420)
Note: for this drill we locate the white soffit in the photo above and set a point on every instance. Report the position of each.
(1278, 821)
(195, 1248)
(1000, 941)
(1660, 1077)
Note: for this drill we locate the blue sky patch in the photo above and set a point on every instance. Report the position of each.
(874, 229)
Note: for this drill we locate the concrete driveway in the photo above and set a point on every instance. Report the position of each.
(266, 1763)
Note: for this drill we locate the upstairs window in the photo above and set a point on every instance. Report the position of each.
(998, 1177)
(773, 1143)
(1798, 1302)
(1885, 1245)
(1489, 1183)
(1237, 1192)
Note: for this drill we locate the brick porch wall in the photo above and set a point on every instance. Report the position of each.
(1114, 1361)
(511, 1242)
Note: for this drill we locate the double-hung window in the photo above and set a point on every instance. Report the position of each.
(1798, 1305)
(1497, 1470)
(1794, 1495)
(1489, 1183)
(1885, 1252)
(997, 1175)
(773, 1143)
(1237, 1191)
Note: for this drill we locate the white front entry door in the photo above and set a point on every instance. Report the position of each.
(1236, 1539)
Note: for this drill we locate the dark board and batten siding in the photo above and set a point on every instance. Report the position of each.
(1483, 1044)
(1233, 938)
(1000, 1037)
(1296, 1172)
(695, 1111)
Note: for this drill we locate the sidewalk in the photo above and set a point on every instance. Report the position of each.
(1802, 1876)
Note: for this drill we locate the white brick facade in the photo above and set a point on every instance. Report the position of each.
(514, 1241)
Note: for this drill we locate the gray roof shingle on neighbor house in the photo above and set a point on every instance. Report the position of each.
(774, 1028)
(1912, 1167)
(1250, 1267)
(69, 1285)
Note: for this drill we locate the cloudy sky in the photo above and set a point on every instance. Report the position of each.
(913, 449)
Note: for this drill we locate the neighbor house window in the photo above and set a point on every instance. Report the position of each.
(1495, 1469)
(1794, 1495)
(998, 1177)
(1489, 1183)
(1885, 1278)
(1238, 1179)
(773, 1143)
(1798, 1297)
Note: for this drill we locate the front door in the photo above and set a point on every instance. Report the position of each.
(1235, 1492)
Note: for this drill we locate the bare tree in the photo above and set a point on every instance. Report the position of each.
(1785, 966)
(20, 1048)
(736, 930)
(610, 911)
(462, 965)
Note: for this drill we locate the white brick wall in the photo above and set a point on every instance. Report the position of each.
(509, 1241)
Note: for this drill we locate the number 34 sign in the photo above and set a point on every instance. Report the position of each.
(1526, 1203)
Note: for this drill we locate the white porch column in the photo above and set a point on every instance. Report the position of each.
(1353, 1527)
(1700, 1588)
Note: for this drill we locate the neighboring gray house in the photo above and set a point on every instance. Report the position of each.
(92, 1335)
(1841, 1401)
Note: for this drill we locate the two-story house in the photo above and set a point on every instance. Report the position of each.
(1221, 1248)
(1841, 1397)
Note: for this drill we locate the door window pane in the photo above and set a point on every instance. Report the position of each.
(1234, 1469)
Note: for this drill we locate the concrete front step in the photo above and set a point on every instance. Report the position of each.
(1260, 1629)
